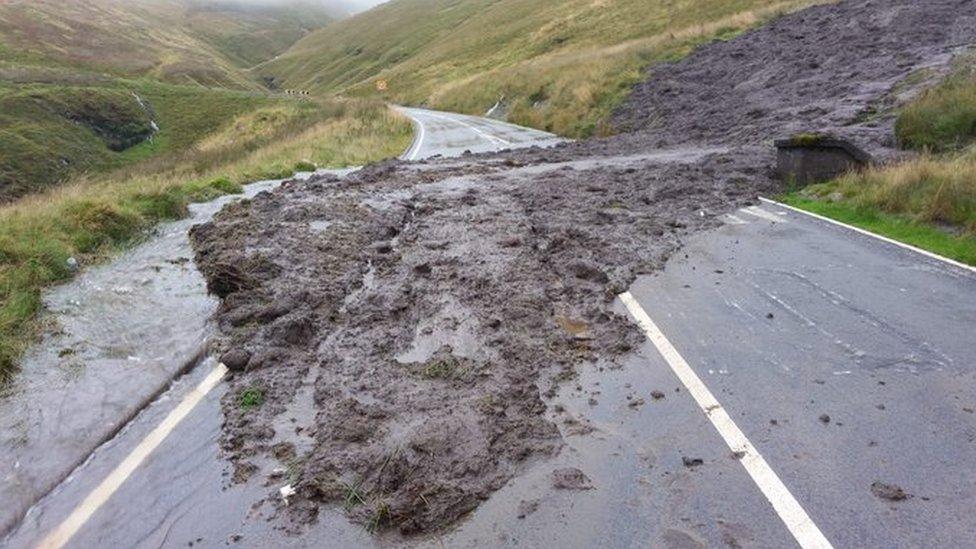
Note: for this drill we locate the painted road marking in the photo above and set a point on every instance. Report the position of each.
(762, 214)
(418, 143)
(71, 525)
(735, 220)
(789, 510)
(472, 128)
(926, 253)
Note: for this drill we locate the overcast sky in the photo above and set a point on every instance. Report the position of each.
(364, 4)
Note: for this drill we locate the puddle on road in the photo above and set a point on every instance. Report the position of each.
(123, 331)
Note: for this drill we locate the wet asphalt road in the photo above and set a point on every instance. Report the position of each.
(450, 134)
(784, 322)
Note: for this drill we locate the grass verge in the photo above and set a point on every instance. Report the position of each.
(929, 201)
(91, 218)
(898, 227)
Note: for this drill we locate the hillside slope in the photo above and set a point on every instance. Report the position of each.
(560, 65)
(178, 41)
(85, 84)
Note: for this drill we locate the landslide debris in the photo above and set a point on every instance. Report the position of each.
(430, 317)
(434, 315)
(832, 69)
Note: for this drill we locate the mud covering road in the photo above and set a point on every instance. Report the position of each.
(429, 310)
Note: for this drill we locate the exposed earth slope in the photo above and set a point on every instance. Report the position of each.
(442, 303)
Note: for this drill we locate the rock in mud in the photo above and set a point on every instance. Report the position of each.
(236, 359)
(571, 479)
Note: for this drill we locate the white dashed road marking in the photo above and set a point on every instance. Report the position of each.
(763, 214)
(418, 144)
(484, 134)
(807, 534)
(71, 525)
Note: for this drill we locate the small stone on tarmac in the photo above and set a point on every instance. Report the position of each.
(526, 508)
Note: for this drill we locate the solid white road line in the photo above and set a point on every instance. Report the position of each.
(789, 510)
(763, 214)
(926, 253)
(419, 142)
(71, 525)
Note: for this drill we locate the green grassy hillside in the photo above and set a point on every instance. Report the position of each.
(177, 41)
(50, 133)
(249, 34)
(560, 65)
(82, 82)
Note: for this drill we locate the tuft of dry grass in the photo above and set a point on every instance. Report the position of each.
(937, 190)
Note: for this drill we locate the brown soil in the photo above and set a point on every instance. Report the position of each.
(442, 303)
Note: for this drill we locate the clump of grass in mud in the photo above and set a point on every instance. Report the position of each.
(250, 398)
(379, 517)
(443, 365)
(441, 369)
(354, 497)
(376, 512)
(94, 217)
(808, 139)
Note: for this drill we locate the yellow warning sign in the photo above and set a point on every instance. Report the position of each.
(381, 85)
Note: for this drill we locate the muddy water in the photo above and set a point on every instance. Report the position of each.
(119, 333)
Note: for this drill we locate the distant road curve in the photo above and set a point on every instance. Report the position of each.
(450, 134)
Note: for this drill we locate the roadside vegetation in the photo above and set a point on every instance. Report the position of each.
(91, 217)
(52, 132)
(928, 201)
(560, 66)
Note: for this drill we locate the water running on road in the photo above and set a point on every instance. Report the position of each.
(120, 333)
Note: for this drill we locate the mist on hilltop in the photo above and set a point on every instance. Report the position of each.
(347, 6)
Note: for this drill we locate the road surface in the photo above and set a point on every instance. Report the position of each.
(757, 332)
(450, 134)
